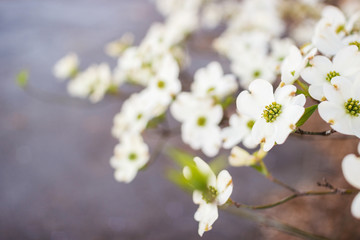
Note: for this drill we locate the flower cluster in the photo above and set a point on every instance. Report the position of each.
(277, 76)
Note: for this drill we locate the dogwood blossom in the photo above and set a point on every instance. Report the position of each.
(130, 155)
(218, 192)
(136, 112)
(211, 81)
(294, 63)
(239, 130)
(351, 171)
(165, 85)
(275, 114)
(342, 108)
(92, 83)
(66, 67)
(200, 118)
(331, 30)
(345, 63)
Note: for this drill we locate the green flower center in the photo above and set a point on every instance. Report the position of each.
(250, 124)
(201, 121)
(331, 75)
(210, 195)
(271, 112)
(132, 156)
(352, 107)
(356, 43)
(139, 116)
(211, 89)
(257, 73)
(161, 84)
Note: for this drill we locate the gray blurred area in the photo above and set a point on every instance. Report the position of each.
(55, 178)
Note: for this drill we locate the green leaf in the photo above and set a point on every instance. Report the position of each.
(154, 122)
(308, 112)
(197, 179)
(227, 102)
(22, 78)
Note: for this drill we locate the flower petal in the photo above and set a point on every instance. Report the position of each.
(224, 186)
(351, 170)
(355, 206)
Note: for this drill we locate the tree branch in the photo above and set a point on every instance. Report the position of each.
(324, 133)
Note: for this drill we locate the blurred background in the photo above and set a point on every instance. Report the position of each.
(55, 178)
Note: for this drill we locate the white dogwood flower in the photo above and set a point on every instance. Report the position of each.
(129, 156)
(200, 118)
(351, 171)
(342, 108)
(66, 67)
(239, 129)
(136, 112)
(166, 84)
(218, 192)
(294, 63)
(345, 63)
(211, 81)
(275, 114)
(92, 83)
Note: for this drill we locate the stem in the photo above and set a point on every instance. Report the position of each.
(324, 133)
(293, 196)
(270, 222)
(303, 86)
(282, 184)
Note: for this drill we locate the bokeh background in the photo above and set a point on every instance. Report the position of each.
(55, 179)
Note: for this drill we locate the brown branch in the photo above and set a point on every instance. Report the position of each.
(324, 133)
(334, 191)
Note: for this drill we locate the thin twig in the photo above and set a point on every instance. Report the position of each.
(334, 191)
(324, 133)
(282, 184)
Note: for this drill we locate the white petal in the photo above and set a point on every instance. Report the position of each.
(284, 94)
(224, 186)
(355, 206)
(351, 170)
(198, 198)
(287, 121)
(205, 169)
(336, 116)
(240, 157)
(263, 131)
(206, 215)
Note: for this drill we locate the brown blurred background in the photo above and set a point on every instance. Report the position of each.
(55, 178)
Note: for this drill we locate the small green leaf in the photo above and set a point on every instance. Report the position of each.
(22, 78)
(112, 90)
(308, 112)
(197, 179)
(227, 102)
(154, 122)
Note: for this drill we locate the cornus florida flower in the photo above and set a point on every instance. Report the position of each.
(260, 66)
(351, 171)
(92, 83)
(200, 118)
(342, 108)
(129, 156)
(293, 64)
(166, 84)
(117, 47)
(275, 114)
(345, 63)
(66, 67)
(239, 157)
(211, 81)
(217, 193)
(238, 130)
(331, 30)
(136, 112)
